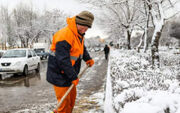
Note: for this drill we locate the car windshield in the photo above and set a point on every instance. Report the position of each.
(14, 54)
(39, 50)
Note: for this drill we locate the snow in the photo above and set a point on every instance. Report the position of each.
(108, 97)
(45, 108)
(97, 97)
(141, 108)
(134, 87)
(154, 102)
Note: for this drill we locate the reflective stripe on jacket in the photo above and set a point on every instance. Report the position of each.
(65, 59)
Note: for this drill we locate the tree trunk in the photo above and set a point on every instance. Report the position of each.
(156, 36)
(145, 40)
(140, 43)
(128, 39)
(5, 44)
(154, 48)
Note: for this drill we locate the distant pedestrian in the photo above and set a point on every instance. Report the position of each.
(106, 51)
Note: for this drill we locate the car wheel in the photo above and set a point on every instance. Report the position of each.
(38, 68)
(25, 71)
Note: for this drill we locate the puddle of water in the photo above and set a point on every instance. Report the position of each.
(21, 92)
(20, 80)
(5, 76)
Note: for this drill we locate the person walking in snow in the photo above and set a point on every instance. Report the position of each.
(64, 62)
(106, 51)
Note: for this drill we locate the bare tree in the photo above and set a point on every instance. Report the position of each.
(25, 26)
(6, 27)
(25, 19)
(126, 15)
(120, 17)
(145, 27)
(157, 9)
(56, 20)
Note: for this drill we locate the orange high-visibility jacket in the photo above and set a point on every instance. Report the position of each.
(67, 50)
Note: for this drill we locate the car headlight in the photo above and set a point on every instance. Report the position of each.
(17, 63)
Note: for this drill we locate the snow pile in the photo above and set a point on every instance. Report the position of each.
(137, 88)
(45, 108)
(155, 102)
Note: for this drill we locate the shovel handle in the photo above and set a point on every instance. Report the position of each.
(67, 92)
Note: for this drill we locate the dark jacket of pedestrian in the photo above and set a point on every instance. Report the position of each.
(106, 49)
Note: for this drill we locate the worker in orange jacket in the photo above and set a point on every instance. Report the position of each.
(64, 62)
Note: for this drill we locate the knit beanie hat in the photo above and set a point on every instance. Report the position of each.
(85, 18)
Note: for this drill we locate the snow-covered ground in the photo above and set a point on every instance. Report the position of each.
(132, 86)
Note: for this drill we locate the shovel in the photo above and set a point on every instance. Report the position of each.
(67, 92)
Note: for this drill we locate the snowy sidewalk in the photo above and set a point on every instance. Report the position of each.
(91, 87)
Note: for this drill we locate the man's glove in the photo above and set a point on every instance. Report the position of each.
(90, 62)
(75, 82)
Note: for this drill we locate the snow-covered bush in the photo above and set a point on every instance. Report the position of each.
(133, 81)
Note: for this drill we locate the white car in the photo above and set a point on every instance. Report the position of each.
(19, 61)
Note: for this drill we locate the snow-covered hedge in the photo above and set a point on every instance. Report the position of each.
(134, 87)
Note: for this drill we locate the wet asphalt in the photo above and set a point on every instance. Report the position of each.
(20, 92)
